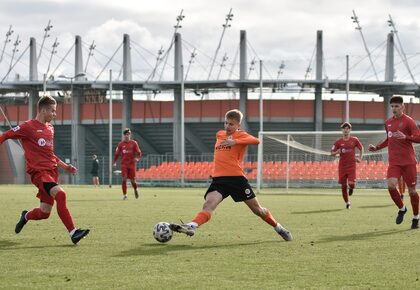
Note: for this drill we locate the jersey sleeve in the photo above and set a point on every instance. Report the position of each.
(414, 132)
(384, 143)
(358, 144)
(335, 146)
(18, 132)
(138, 149)
(117, 153)
(246, 139)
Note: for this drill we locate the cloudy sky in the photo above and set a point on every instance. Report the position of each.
(277, 30)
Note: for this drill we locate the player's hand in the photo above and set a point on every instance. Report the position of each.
(70, 168)
(115, 164)
(228, 142)
(372, 148)
(136, 159)
(400, 135)
(358, 160)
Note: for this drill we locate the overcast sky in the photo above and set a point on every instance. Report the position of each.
(282, 30)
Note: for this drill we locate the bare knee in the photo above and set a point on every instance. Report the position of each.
(412, 191)
(392, 184)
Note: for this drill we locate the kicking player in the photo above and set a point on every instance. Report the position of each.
(229, 178)
(130, 154)
(346, 148)
(401, 132)
(37, 137)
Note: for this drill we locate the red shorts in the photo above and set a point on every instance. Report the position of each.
(408, 172)
(128, 171)
(346, 175)
(38, 178)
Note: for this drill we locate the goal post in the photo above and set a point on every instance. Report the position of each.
(303, 159)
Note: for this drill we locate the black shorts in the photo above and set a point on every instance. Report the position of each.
(237, 187)
(94, 174)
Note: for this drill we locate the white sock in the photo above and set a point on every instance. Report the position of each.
(278, 227)
(193, 225)
(72, 232)
(416, 217)
(403, 208)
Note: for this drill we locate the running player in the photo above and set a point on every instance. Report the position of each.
(346, 148)
(37, 137)
(130, 154)
(401, 132)
(229, 178)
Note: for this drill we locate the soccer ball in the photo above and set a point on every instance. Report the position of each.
(162, 232)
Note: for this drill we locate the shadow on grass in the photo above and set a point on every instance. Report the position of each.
(317, 211)
(162, 249)
(6, 245)
(361, 236)
(376, 206)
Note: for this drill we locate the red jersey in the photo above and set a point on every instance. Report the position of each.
(38, 143)
(228, 159)
(401, 152)
(347, 151)
(128, 151)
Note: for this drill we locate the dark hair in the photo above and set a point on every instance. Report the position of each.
(396, 99)
(46, 101)
(127, 130)
(235, 115)
(345, 124)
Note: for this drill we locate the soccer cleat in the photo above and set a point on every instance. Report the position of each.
(125, 197)
(350, 191)
(285, 234)
(182, 228)
(136, 193)
(400, 216)
(347, 205)
(415, 224)
(78, 235)
(22, 222)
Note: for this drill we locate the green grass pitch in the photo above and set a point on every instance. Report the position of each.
(334, 248)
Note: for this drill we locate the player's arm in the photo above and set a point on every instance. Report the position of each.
(17, 132)
(361, 151)
(67, 167)
(383, 144)
(414, 135)
(138, 152)
(116, 155)
(335, 150)
(243, 139)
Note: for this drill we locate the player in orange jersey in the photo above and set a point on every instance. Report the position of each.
(229, 178)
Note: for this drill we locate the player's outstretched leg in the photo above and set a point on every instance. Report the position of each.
(135, 186)
(395, 195)
(351, 189)
(79, 234)
(34, 214)
(189, 228)
(124, 188)
(22, 222)
(414, 198)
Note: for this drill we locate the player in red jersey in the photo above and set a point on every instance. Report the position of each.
(37, 137)
(130, 154)
(346, 148)
(401, 131)
(229, 178)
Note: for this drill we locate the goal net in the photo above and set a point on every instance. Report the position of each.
(302, 159)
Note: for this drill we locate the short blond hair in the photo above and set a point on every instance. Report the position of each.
(235, 115)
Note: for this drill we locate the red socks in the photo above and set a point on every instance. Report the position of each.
(396, 197)
(124, 187)
(269, 219)
(415, 203)
(344, 192)
(202, 217)
(37, 214)
(63, 211)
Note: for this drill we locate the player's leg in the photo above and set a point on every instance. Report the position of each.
(393, 174)
(212, 200)
(410, 177)
(266, 216)
(344, 193)
(351, 178)
(401, 187)
(132, 176)
(63, 212)
(124, 172)
(38, 213)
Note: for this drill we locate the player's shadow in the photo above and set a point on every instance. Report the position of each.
(361, 236)
(317, 211)
(376, 206)
(6, 245)
(162, 249)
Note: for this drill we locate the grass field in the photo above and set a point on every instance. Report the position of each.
(333, 247)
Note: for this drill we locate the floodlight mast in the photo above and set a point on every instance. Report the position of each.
(54, 51)
(15, 49)
(358, 27)
(394, 30)
(192, 57)
(8, 34)
(228, 19)
(91, 49)
(46, 35)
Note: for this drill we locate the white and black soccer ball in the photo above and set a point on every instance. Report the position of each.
(162, 232)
